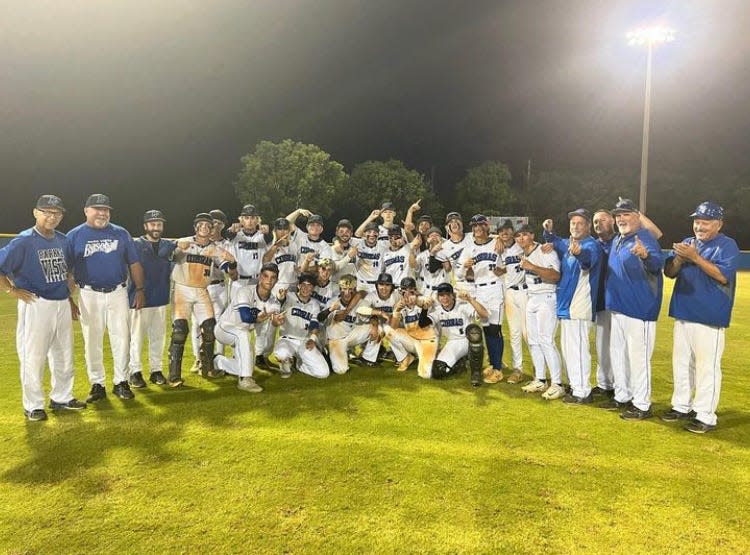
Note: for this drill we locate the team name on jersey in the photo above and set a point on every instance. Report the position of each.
(452, 323)
(302, 314)
(304, 249)
(285, 258)
(350, 319)
(320, 298)
(369, 255)
(456, 255)
(411, 318)
(386, 309)
(512, 260)
(248, 245)
(100, 245)
(395, 260)
(53, 265)
(198, 259)
(485, 257)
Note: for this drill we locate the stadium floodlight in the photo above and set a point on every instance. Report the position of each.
(650, 37)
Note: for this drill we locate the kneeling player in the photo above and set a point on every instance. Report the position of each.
(454, 319)
(417, 338)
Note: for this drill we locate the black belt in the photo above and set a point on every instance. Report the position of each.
(518, 287)
(368, 282)
(216, 282)
(101, 289)
(488, 283)
(248, 277)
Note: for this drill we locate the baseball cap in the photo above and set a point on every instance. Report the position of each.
(98, 201)
(249, 210)
(444, 288)
(708, 211)
(452, 216)
(580, 212)
(425, 218)
(270, 267)
(153, 216)
(387, 205)
(315, 219)
(478, 219)
(395, 231)
(507, 224)
(434, 229)
(624, 205)
(385, 279)
(345, 223)
(525, 228)
(281, 223)
(371, 226)
(307, 278)
(408, 283)
(203, 217)
(47, 202)
(217, 214)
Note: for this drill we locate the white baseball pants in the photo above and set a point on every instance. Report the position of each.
(631, 345)
(147, 323)
(541, 323)
(110, 311)
(604, 378)
(515, 314)
(574, 341)
(242, 361)
(309, 361)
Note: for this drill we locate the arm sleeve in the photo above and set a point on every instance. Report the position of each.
(249, 315)
(424, 319)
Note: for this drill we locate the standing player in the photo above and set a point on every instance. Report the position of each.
(432, 264)
(155, 254)
(542, 271)
(283, 252)
(342, 254)
(250, 306)
(103, 253)
(581, 258)
(193, 259)
(248, 245)
(367, 258)
(37, 261)
(456, 323)
(398, 260)
(455, 244)
(310, 246)
(515, 295)
(478, 267)
(299, 332)
(706, 270)
(633, 293)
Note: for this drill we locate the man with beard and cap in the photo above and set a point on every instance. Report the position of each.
(342, 253)
(155, 254)
(367, 257)
(381, 302)
(432, 264)
(248, 245)
(284, 253)
(705, 268)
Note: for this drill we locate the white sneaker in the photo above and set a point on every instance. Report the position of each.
(248, 384)
(554, 391)
(285, 368)
(196, 367)
(534, 387)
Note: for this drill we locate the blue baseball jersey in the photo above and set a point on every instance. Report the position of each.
(697, 297)
(606, 246)
(634, 286)
(156, 259)
(38, 264)
(101, 257)
(578, 288)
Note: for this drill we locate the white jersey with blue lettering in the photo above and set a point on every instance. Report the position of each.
(248, 249)
(397, 263)
(452, 322)
(305, 246)
(368, 261)
(286, 258)
(428, 281)
(299, 316)
(325, 294)
(247, 296)
(544, 260)
(485, 260)
(385, 305)
(511, 258)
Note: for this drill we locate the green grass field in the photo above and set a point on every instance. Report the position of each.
(372, 461)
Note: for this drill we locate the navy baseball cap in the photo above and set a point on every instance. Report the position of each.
(371, 226)
(281, 223)
(525, 228)
(387, 205)
(478, 219)
(708, 211)
(624, 205)
(153, 216)
(98, 201)
(315, 219)
(249, 210)
(385, 279)
(395, 231)
(345, 223)
(507, 224)
(432, 230)
(582, 212)
(217, 214)
(408, 283)
(203, 217)
(307, 278)
(50, 202)
(425, 218)
(452, 216)
(444, 288)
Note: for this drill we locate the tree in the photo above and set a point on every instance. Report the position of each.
(485, 189)
(280, 177)
(371, 183)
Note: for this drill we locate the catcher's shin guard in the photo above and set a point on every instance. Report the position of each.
(440, 370)
(176, 348)
(476, 353)
(206, 351)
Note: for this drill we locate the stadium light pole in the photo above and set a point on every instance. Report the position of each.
(649, 37)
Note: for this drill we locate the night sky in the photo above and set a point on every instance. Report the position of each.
(149, 101)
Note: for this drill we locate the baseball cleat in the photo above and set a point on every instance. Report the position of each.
(404, 365)
(536, 386)
(36, 415)
(158, 378)
(196, 367)
(122, 390)
(137, 381)
(616, 405)
(285, 368)
(97, 392)
(571, 399)
(604, 392)
(261, 362)
(698, 427)
(248, 384)
(673, 415)
(73, 404)
(493, 376)
(554, 391)
(516, 376)
(634, 413)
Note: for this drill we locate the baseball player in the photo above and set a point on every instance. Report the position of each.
(454, 320)
(581, 258)
(478, 268)
(398, 259)
(284, 253)
(248, 245)
(455, 244)
(705, 266)
(299, 330)
(381, 302)
(155, 255)
(515, 296)
(193, 259)
(342, 254)
(345, 329)
(325, 288)
(432, 264)
(633, 292)
(542, 272)
(250, 306)
(310, 246)
(37, 262)
(412, 330)
(103, 253)
(367, 257)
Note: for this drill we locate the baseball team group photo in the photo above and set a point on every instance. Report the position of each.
(316, 288)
